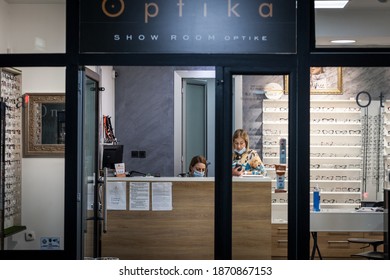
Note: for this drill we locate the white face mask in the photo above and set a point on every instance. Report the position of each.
(198, 173)
(240, 152)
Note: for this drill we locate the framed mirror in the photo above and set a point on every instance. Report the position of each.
(44, 125)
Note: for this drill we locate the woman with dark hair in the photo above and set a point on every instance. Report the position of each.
(198, 167)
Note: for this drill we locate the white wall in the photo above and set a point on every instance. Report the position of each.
(108, 96)
(4, 23)
(42, 201)
(107, 80)
(36, 28)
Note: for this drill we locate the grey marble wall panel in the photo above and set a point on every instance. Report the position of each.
(144, 117)
(144, 107)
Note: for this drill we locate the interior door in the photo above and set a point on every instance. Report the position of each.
(90, 189)
(194, 120)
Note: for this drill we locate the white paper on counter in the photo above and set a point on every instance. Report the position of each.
(162, 196)
(116, 196)
(139, 196)
(90, 196)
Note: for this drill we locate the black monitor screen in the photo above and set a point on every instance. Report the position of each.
(112, 154)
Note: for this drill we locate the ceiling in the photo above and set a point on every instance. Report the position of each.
(366, 21)
(373, 4)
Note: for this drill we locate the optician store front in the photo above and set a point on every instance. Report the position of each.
(174, 79)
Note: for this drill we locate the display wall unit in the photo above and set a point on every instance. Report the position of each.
(386, 142)
(275, 126)
(375, 131)
(10, 194)
(335, 152)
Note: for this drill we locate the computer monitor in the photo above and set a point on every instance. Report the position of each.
(112, 154)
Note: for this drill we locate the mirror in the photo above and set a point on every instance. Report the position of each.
(44, 125)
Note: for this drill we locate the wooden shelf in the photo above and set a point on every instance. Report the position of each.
(12, 230)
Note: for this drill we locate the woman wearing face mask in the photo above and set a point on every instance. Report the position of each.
(245, 159)
(197, 167)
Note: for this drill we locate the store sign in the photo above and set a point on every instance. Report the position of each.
(187, 26)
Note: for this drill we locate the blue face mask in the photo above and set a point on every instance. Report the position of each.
(198, 173)
(240, 152)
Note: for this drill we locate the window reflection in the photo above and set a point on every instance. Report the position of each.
(348, 155)
(22, 29)
(353, 25)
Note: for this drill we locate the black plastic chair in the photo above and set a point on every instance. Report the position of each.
(374, 254)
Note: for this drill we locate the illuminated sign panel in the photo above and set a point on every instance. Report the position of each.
(187, 26)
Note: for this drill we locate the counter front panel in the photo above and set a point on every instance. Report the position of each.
(187, 231)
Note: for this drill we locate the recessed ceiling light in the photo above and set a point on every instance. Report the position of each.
(330, 4)
(343, 41)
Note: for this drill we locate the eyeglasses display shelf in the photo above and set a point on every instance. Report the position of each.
(335, 151)
(11, 125)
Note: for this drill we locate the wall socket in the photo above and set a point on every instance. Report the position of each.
(138, 154)
(135, 154)
(142, 154)
(29, 236)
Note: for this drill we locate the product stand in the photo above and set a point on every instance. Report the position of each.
(315, 246)
(2, 179)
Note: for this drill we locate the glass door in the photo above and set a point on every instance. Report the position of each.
(260, 149)
(90, 189)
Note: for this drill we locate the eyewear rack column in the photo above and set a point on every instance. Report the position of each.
(10, 200)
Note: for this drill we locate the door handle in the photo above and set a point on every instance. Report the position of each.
(90, 180)
(105, 200)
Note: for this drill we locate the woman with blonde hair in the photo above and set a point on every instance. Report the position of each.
(245, 160)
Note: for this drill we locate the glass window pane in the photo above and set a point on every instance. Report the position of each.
(33, 187)
(151, 117)
(364, 22)
(32, 28)
(261, 126)
(348, 156)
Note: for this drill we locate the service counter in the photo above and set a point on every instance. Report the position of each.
(351, 221)
(187, 230)
(340, 220)
(330, 230)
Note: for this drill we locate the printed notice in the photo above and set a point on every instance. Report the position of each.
(139, 196)
(116, 196)
(90, 196)
(50, 243)
(161, 196)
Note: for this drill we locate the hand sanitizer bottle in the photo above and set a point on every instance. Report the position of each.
(316, 199)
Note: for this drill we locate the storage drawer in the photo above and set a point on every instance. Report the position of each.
(279, 241)
(336, 245)
(332, 245)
